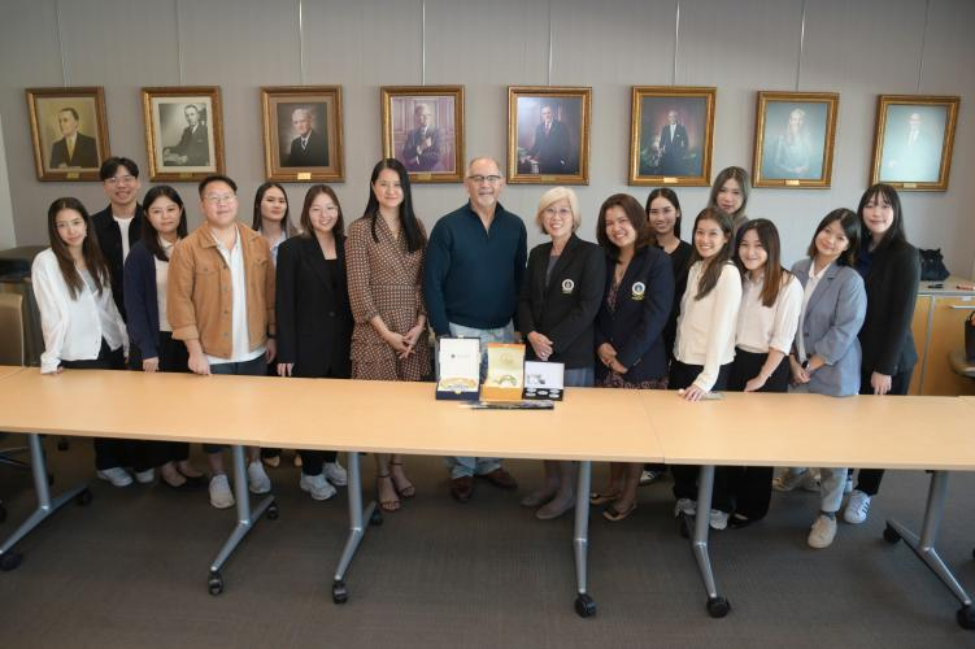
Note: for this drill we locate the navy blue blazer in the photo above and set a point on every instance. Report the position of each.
(141, 301)
(643, 305)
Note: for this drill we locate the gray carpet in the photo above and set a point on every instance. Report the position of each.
(130, 571)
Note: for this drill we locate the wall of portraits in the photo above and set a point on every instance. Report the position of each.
(859, 51)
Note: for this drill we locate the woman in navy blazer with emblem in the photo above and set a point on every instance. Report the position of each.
(629, 328)
(826, 356)
(314, 317)
(891, 271)
(557, 307)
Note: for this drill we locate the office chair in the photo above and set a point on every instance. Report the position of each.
(11, 353)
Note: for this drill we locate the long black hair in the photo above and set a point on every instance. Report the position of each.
(90, 251)
(895, 233)
(150, 236)
(670, 196)
(712, 272)
(258, 222)
(415, 239)
(851, 228)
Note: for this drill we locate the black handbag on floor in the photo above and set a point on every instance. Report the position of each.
(933, 266)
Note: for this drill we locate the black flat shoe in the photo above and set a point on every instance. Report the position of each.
(737, 522)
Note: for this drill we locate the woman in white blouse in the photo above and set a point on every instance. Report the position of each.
(705, 344)
(767, 323)
(81, 325)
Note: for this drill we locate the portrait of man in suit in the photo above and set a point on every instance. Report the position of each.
(551, 146)
(309, 148)
(672, 145)
(74, 149)
(193, 148)
(913, 142)
(421, 151)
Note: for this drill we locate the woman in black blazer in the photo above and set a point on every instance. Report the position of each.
(314, 319)
(560, 296)
(891, 271)
(638, 299)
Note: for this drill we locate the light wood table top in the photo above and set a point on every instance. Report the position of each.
(815, 430)
(342, 415)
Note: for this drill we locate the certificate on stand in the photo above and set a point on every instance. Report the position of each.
(544, 380)
(505, 374)
(460, 369)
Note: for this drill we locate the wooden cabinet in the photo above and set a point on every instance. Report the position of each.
(938, 330)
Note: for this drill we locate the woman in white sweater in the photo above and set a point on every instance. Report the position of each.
(82, 326)
(705, 344)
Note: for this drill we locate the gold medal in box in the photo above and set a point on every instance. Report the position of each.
(505, 373)
(460, 368)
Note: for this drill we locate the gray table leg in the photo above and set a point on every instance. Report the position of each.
(246, 518)
(46, 506)
(718, 606)
(357, 528)
(585, 606)
(924, 547)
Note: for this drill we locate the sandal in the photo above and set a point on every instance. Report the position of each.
(596, 498)
(614, 515)
(386, 505)
(403, 489)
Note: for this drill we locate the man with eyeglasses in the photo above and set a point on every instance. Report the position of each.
(220, 302)
(119, 225)
(474, 266)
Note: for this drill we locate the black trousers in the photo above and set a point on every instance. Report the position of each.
(110, 453)
(173, 357)
(685, 475)
(868, 480)
(750, 487)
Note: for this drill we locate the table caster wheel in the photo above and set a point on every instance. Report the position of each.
(340, 592)
(585, 606)
(10, 561)
(84, 497)
(718, 606)
(215, 584)
(966, 617)
(891, 535)
(272, 512)
(376, 518)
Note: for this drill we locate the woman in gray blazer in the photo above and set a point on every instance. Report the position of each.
(826, 355)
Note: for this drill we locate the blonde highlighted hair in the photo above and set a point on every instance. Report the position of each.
(555, 195)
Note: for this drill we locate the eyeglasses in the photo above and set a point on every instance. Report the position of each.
(121, 180)
(477, 180)
(216, 199)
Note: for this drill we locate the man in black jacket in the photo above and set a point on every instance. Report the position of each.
(119, 225)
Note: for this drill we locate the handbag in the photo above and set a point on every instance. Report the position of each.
(933, 266)
(970, 338)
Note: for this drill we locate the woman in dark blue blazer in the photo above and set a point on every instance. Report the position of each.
(629, 328)
(145, 279)
(560, 296)
(314, 320)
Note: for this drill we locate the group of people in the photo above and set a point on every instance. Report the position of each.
(638, 309)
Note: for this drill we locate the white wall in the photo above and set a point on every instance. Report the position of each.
(7, 234)
(859, 49)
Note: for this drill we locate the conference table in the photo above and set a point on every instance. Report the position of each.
(919, 433)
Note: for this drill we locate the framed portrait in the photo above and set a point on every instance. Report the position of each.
(69, 132)
(548, 135)
(423, 127)
(184, 132)
(303, 133)
(913, 141)
(671, 135)
(794, 137)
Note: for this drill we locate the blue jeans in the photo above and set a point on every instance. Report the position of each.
(467, 466)
(254, 367)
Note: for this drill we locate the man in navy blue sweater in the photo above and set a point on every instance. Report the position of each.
(473, 270)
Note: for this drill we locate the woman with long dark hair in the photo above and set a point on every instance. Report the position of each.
(730, 194)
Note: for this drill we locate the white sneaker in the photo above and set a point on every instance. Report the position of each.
(336, 474)
(685, 506)
(257, 477)
(118, 476)
(789, 479)
(146, 477)
(857, 508)
(317, 486)
(221, 496)
(811, 482)
(822, 533)
(719, 520)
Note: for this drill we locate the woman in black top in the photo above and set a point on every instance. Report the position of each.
(314, 319)
(891, 271)
(560, 296)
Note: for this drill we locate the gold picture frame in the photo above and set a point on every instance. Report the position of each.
(549, 130)
(795, 135)
(184, 132)
(913, 141)
(671, 135)
(303, 133)
(423, 127)
(69, 132)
